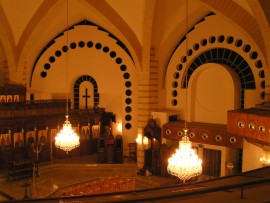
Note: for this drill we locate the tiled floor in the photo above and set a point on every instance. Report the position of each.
(69, 171)
(75, 170)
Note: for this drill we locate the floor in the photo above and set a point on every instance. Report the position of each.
(67, 172)
(61, 173)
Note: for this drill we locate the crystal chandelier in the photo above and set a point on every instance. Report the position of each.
(185, 163)
(67, 139)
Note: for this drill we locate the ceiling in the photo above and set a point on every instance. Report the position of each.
(27, 26)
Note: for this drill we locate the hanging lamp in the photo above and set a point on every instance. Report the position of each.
(67, 139)
(185, 163)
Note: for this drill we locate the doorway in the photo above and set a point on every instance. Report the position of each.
(211, 162)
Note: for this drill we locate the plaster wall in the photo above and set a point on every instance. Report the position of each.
(94, 62)
(251, 156)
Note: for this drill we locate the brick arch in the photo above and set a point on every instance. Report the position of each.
(222, 55)
(76, 89)
(227, 57)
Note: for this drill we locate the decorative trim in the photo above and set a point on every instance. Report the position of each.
(233, 140)
(251, 126)
(241, 124)
(77, 88)
(218, 138)
(204, 136)
(262, 128)
(192, 135)
(180, 133)
(168, 132)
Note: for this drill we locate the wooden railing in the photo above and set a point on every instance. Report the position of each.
(225, 186)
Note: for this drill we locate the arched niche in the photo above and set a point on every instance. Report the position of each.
(213, 90)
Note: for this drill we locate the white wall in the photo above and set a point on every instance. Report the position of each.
(95, 63)
(214, 26)
(162, 117)
(212, 94)
(251, 156)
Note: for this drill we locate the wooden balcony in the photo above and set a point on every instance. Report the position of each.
(252, 124)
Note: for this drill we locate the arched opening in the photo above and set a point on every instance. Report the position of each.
(85, 92)
(213, 90)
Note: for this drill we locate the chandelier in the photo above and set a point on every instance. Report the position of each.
(67, 139)
(185, 163)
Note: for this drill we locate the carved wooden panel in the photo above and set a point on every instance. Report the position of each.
(236, 122)
(203, 133)
(12, 93)
(251, 123)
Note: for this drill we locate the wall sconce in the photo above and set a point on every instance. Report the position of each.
(145, 141)
(230, 166)
(265, 161)
(139, 140)
(142, 141)
(119, 128)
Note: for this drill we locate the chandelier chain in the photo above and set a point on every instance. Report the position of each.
(185, 163)
(186, 78)
(67, 139)
(67, 40)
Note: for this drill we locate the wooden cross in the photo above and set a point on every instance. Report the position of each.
(86, 96)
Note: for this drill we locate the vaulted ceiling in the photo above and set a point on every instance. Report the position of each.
(26, 26)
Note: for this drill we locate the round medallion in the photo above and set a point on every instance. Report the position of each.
(204, 136)
(218, 138)
(262, 129)
(191, 134)
(251, 126)
(180, 133)
(241, 124)
(168, 132)
(233, 140)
